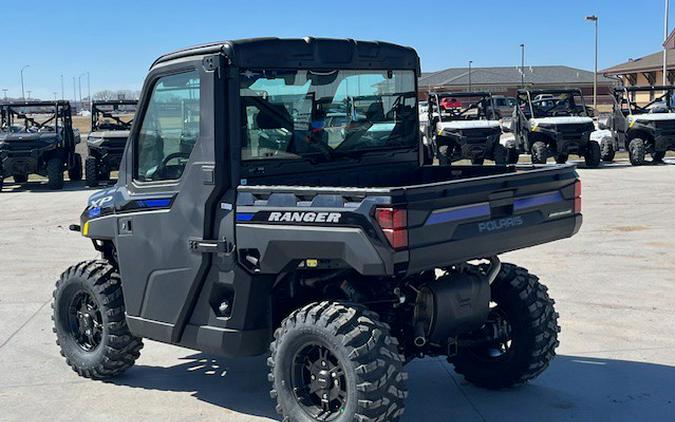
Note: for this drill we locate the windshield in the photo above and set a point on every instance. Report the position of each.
(297, 114)
(111, 116)
(646, 101)
(463, 106)
(29, 119)
(553, 105)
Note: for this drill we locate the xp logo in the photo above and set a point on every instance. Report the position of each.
(501, 224)
(305, 217)
(100, 202)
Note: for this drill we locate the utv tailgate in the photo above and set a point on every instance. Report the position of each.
(455, 221)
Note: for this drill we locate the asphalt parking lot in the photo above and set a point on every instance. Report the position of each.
(614, 284)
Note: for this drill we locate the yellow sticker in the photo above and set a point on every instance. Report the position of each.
(312, 263)
(85, 229)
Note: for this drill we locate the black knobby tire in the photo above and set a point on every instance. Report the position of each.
(109, 348)
(444, 155)
(75, 170)
(91, 172)
(372, 372)
(500, 155)
(55, 173)
(512, 155)
(477, 161)
(2, 182)
(533, 322)
(637, 151)
(561, 158)
(592, 156)
(20, 178)
(607, 152)
(657, 157)
(539, 153)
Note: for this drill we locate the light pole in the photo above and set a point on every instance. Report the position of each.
(29, 91)
(4, 92)
(470, 61)
(56, 96)
(665, 47)
(89, 91)
(522, 65)
(23, 95)
(594, 19)
(63, 94)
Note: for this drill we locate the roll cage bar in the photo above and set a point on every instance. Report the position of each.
(58, 110)
(622, 96)
(434, 99)
(99, 109)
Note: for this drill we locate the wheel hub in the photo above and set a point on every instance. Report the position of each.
(318, 382)
(85, 321)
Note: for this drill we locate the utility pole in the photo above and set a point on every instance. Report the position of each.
(4, 91)
(63, 95)
(594, 19)
(665, 47)
(74, 90)
(470, 61)
(56, 96)
(89, 91)
(522, 65)
(29, 91)
(23, 95)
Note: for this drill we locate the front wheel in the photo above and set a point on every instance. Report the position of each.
(20, 178)
(55, 173)
(89, 321)
(91, 172)
(336, 361)
(500, 155)
(592, 156)
(657, 157)
(529, 325)
(637, 151)
(561, 158)
(75, 169)
(539, 153)
(607, 151)
(512, 155)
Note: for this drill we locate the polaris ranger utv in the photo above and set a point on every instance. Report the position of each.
(110, 124)
(641, 129)
(556, 123)
(37, 137)
(343, 260)
(464, 125)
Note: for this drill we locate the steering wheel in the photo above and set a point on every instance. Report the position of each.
(163, 165)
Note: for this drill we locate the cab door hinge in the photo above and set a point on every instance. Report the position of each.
(210, 246)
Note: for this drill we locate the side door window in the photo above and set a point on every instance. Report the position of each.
(170, 128)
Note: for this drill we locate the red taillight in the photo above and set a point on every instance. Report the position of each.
(394, 224)
(577, 197)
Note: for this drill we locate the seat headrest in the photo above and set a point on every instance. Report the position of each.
(274, 116)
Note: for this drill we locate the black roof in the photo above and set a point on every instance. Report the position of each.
(644, 88)
(550, 91)
(308, 52)
(461, 94)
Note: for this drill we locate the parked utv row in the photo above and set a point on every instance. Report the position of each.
(38, 137)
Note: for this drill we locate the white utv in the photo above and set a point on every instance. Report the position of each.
(554, 123)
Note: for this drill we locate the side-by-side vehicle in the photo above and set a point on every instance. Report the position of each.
(290, 214)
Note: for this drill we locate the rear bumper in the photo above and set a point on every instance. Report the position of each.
(18, 163)
(461, 250)
(108, 157)
(572, 143)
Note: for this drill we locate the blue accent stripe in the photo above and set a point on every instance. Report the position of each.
(459, 213)
(245, 216)
(538, 200)
(94, 212)
(154, 203)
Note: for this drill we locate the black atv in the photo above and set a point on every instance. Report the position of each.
(464, 125)
(641, 127)
(37, 137)
(288, 213)
(110, 125)
(554, 122)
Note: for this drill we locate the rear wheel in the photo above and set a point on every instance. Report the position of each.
(55, 173)
(20, 178)
(657, 157)
(539, 153)
(500, 155)
(561, 158)
(89, 321)
(336, 362)
(444, 153)
(75, 170)
(91, 172)
(522, 306)
(592, 156)
(477, 161)
(512, 155)
(636, 151)
(607, 151)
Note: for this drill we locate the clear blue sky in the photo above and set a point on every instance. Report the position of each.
(117, 40)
